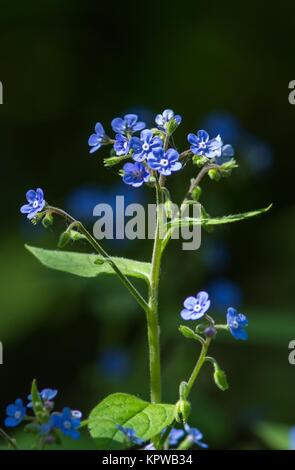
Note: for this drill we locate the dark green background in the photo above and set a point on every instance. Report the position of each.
(66, 65)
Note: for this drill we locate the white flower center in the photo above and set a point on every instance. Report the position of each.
(235, 324)
(164, 162)
(17, 414)
(197, 308)
(125, 145)
(202, 145)
(35, 204)
(145, 146)
(67, 424)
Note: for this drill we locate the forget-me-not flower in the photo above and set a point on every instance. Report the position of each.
(175, 436)
(15, 413)
(195, 307)
(67, 422)
(98, 139)
(165, 162)
(128, 124)
(195, 435)
(47, 395)
(201, 144)
(237, 322)
(135, 174)
(121, 145)
(145, 146)
(162, 120)
(35, 204)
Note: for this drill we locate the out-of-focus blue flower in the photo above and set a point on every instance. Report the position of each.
(224, 292)
(258, 154)
(236, 323)
(135, 174)
(67, 423)
(162, 120)
(36, 203)
(165, 162)
(121, 145)
(130, 435)
(195, 307)
(145, 146)
(15, 413)
(215, 255)
(195, 435)
(175, 436)
(292, 438)
(98, 139)
(114, 363)
(47, 394)
(128, 124)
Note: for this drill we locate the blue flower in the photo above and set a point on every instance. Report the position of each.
(15, 413)
(36, 203)
(150, 446)
(165, 162)
(195, 435)
(98, 139)
(292, 438)
(67, 422)
(128, 124)
(236, 323)
(130, 435)
(121, 145)
(175, 436)
(162, 120)
(195, 307)
(47, 394)
(135, 174)
(202, 145)
(145, 146)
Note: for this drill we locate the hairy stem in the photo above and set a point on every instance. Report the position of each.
(198, 366)
(152, 315)
(8, 439)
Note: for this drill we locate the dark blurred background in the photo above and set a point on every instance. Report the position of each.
(223, 66)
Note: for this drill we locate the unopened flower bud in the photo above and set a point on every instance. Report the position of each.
(182, 411)
(210, 332)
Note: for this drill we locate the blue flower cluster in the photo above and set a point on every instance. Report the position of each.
(147, 150)
(67, 421)
(176, 435)
(196, 307)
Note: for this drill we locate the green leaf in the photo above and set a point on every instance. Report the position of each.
(146, 419)
(275, 436)
(83, 264)
(36, 399)
(228, 219)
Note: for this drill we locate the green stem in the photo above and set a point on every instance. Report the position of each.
(98, 248)
(8, 439)
(198, 366)
(185, 444)
(152, 315)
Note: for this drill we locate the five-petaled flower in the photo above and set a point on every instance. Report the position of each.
(121, 145)
(163, 120)
(195, 307)
(130, 435)
(195, 436)
(201, 144)
(237, 322)
(135, 174)
(127, 125)
(67, 422)
(16, 412)
(35, 204)
(145, 146)
(165, 162)
(47, 395)
(98, 139)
